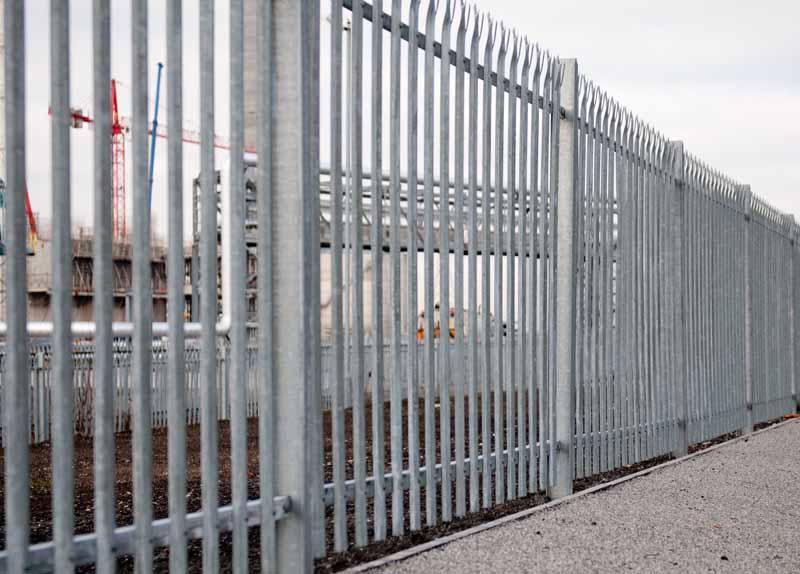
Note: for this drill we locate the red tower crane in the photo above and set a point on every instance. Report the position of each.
(119, 129)
(119, 226)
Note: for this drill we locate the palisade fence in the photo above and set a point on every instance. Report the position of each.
(83, 371)
(613, 298)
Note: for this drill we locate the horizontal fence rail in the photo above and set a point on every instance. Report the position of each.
(449, 273)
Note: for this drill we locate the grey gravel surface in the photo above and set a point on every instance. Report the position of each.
(736, 509)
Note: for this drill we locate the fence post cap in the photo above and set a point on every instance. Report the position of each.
(678, 162)
(791, 226)
(747, 200)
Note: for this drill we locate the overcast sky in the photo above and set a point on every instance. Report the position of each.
(722, 76)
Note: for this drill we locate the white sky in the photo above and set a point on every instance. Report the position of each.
(722, 76)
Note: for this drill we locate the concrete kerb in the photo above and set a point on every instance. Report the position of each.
(411, 552)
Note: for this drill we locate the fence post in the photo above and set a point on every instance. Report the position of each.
(16, 389)
(791, 225)
(681, 446)
(748, 312)
(565, 284)
(295, 268)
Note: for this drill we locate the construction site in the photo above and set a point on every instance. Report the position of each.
(39, 261)
(39, 243)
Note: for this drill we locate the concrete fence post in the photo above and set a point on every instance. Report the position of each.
(748, 311)
(680, 368)
(565, 284)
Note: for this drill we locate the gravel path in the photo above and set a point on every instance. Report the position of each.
(736, 509)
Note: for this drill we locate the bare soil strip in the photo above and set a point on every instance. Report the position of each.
(41, 502)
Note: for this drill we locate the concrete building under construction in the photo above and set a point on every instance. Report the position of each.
(40, 283)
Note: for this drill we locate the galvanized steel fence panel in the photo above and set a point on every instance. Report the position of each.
(566, 291)
(484, 228)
